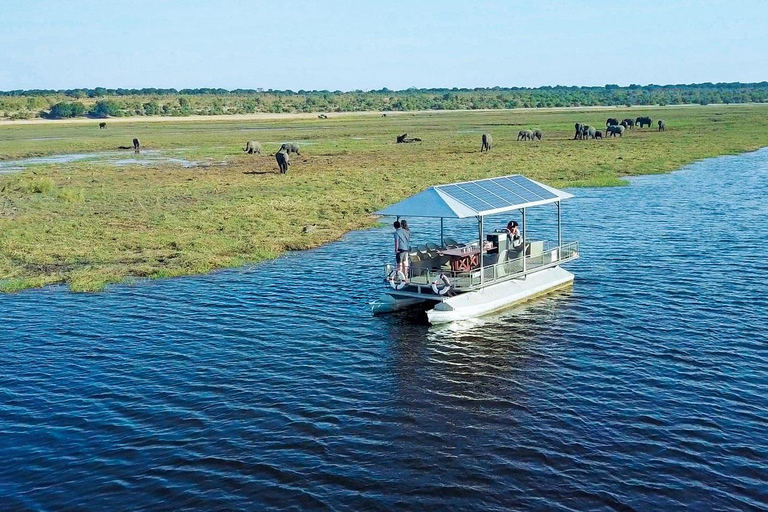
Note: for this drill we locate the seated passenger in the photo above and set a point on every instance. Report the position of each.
(513, 234)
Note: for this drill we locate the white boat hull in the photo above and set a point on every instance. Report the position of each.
(499, 296)
(389, 304)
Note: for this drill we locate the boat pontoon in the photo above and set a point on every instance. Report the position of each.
(464, 280)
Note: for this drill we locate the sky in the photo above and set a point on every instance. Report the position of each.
(335, 45)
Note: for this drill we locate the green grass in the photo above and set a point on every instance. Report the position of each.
(89, 224)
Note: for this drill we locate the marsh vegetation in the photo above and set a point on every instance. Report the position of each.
(86, 223)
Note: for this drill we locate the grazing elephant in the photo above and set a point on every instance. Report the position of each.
(578, 131)
(588, 132)
(641, 121)
(628, 123)
(614, 130)
(136, 146)
(283, 161)
(102, 126)
(598, 134)
(537, 134)
(612, 121)
(662, 126)
(290, 147)
(252, 147)
(525, 135)
(487, 142)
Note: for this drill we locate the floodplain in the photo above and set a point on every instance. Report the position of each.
(194, 201)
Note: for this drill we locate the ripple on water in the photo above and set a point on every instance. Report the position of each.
(643, 387)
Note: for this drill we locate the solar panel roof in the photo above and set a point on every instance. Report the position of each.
(479, 197)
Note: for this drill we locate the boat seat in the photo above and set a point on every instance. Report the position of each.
(450, 242)
(432, 247)
(422, 249)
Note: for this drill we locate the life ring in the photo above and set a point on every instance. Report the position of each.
(446, 285)
(400, 283)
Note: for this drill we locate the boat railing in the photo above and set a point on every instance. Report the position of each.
(538, 255)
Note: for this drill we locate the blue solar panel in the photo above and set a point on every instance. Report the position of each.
(481, 195)
(497, 193)
(466, 198)
(509, 189)
(526, 184)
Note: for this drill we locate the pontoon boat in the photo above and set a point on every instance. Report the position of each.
(463, 280)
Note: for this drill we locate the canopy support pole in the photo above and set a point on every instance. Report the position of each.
(524, 248)
(559, 230)
(482, 248)
(442, 233)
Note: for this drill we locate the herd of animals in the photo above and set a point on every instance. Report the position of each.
(613, 127)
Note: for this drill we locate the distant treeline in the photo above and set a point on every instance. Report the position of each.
(102, 102)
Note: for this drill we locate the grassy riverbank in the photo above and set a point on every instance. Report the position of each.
(91, 223)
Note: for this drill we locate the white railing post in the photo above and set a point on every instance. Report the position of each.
(524, 248)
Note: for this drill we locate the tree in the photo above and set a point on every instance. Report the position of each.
(105, 108)
(66, 110)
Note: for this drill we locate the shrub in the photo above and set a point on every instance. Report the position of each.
(71, 195)
(65, 110)
(41, 186)
(105, 108)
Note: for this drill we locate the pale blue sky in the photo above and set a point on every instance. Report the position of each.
(368, 45)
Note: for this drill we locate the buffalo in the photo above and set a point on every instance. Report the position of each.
(102, 126)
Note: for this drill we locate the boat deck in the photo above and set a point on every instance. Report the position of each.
(427, 266)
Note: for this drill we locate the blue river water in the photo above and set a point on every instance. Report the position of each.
(271, 387)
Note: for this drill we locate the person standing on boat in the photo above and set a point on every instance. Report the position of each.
(396, 225)
(402, 246)
(513, 234)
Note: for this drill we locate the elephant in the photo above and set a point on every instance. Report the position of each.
(525, 135)
(487, 142)
(290, 147)
(628, 123)
(136, 146)
(612, 121)
(102, 126)
(588, 132)
(578, 131)
(613, 130)
(537, 134)
(252, 147)
(641, 121)
(283, 161)
(598, 134)
(662, 125)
